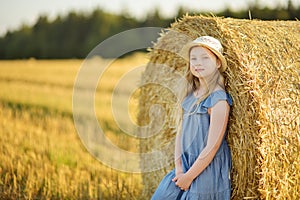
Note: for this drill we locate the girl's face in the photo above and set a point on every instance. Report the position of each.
(203, 62)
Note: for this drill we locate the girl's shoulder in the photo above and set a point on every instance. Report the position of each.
(215, 96)
(208, 102)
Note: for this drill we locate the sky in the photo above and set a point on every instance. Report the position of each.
(14, 13)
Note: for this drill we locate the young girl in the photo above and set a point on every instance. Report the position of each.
(202, 155)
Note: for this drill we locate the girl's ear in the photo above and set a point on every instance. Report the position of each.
(219, 64)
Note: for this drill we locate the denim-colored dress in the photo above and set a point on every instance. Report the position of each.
(214, 182)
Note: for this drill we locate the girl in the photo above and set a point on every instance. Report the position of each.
(202, 155)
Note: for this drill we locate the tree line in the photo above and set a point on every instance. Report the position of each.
(77, 33)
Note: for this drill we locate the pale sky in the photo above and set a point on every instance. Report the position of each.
(13, 13)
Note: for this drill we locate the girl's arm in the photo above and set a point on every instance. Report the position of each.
(218, 123)
(178, 162)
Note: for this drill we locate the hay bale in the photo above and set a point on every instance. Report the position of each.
(263, 79)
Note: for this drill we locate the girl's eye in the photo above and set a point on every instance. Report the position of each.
(193, 58)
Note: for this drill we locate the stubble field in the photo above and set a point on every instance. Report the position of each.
(42, 156)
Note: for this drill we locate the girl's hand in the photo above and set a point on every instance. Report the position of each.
(183, 181)
(177, 176)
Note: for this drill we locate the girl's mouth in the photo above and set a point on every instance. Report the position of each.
(199, 70)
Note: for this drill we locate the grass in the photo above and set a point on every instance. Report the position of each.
(42, 156)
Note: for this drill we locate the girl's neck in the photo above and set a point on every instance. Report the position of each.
(200, 90)
(202, 82)
(203, 89)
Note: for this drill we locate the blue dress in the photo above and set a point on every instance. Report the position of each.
(214, 182)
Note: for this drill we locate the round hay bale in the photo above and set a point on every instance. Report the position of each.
(263, 79)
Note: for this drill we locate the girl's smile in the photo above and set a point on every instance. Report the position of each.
(199, 70)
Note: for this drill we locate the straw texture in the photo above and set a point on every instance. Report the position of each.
(263, 79)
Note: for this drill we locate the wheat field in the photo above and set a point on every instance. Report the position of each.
(42, 156)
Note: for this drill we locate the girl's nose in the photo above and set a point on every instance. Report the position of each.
(198, 64)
